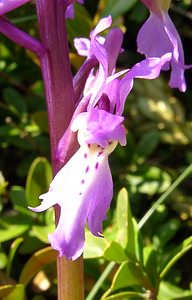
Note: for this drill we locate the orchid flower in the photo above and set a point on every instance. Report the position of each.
(158, 36)
(83, 188)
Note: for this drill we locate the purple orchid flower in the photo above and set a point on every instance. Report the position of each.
(158, 36)
(83, 188)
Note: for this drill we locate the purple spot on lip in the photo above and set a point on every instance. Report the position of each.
(96, 165)
(85, 155)
(100, 153)
(83, 181)
(87, 169)
(80, 194)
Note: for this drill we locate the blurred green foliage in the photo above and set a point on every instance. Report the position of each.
(148, 263)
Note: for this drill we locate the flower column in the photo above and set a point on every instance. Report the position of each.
(60, 105)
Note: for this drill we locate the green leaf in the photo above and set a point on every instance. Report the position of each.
(117, 8)
(80, 26)
(171, 292)
(166, 232)
(150, 264)
(130, 274)
(41, 120)
(3, 183)
(13, 249)
(19, 201)
(39, 260)
(14, 225)
(175, 255)
(41, 232)
(115, 252)
(124, 232)
(163, 197)
(125, 225)
(15, 102)
(175, 135)
(12, 231)
(38, 180)
(17, 196)
(155, 109)
(10, 292)
(122, 219)
(126, 296)
(3, 260)
(149, 180)
(30, 245)
(147, 145)
(8, 131)
(94, 246)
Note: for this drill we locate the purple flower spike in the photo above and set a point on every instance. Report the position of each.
(159, 36)
(8, 5)
(83, 188)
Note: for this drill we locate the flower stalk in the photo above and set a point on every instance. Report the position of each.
(56, 70)
(60, 106)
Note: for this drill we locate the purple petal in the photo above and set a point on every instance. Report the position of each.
(69, 14)
(152, 39)
(100, 127)
(149, 68)
(100, 53)
(106, 52)
(83, 189)
(70, 9)
(8, 5)
(82, 46)
(70, 245)
(49, 200)
(111, 90)
(101, 197)
(158, 36)
(69, 137)
(83, 76)
(112, 45)
(178, 67)
(177, 78)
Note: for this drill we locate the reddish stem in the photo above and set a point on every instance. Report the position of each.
(60, 105)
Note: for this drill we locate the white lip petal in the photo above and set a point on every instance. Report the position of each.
(83, 188)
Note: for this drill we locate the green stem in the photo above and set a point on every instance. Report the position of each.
(174, 260)
(163, 197)
(100, 281)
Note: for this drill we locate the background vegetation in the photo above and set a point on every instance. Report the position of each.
(149, 263)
